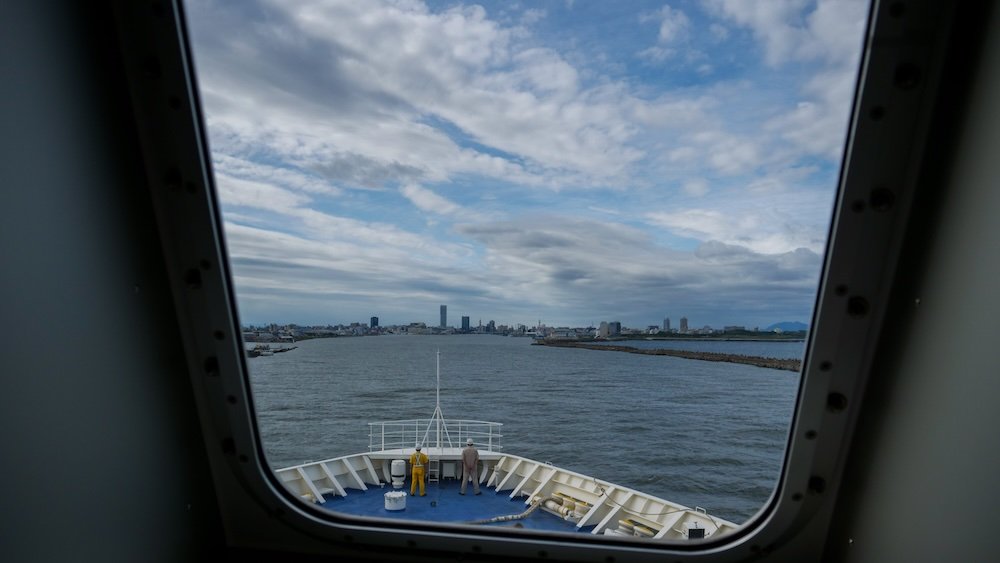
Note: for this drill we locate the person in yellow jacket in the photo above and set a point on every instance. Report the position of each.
(418, 462)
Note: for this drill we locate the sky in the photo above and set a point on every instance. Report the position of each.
(566, 162)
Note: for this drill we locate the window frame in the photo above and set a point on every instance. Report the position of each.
(897, 86)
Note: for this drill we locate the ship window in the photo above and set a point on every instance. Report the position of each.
(599, 225)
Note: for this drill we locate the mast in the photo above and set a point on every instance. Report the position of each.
(437, 399)
(437, 421)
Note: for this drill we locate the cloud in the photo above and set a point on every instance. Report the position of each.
(248, 193)
(696, 187)
(780, 222)
(360, 170)
(386, 157)
(616, 270)
(426, 200)
(349, 84)
(532, 16)
(674, 30)
(674, 25)
(792, 30)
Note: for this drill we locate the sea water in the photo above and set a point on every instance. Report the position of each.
(707, 434)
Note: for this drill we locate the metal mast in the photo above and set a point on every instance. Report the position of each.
(437, 399)
(437, 419)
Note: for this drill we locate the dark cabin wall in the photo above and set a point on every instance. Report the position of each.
(102, 456)
(923, 481)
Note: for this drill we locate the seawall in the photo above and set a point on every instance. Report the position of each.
(759, 361)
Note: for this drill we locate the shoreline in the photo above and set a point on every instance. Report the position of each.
(759, 361)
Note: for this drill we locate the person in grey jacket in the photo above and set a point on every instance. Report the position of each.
(470, 460)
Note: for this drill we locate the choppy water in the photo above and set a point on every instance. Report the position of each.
(706, 434)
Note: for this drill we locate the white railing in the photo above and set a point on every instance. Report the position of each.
(433, 433)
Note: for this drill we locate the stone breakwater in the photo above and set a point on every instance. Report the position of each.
(759, 361)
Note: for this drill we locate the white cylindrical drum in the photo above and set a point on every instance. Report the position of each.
(398, 472)
(395, 500)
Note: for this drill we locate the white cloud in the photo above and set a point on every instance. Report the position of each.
(674, 25)
(697, 187)
(353, 78)
(532, 16)
(674, 29)
(829, 32)
(719, 32)
(325, 117)
(260, 195)
(776, 219)
(426, 200)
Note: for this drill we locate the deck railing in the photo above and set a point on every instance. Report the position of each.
(433, 433)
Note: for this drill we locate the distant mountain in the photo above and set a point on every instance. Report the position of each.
(787, 326)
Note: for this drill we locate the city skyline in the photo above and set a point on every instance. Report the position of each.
(570, 162)
(466, 324)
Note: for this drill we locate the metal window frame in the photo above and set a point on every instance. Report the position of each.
(897, 88)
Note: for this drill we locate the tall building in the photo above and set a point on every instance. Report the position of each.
(684, 324)
(374, 323)
(666, 324)
(602, 331)
(444, 316)
(615, 328)
(465, 324)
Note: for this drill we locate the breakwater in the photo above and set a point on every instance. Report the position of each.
(759, 361)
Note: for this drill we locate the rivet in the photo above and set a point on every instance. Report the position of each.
(212, 366)
(907, 76)
(857, 306)
(172, 179)
(877, 113)
(151, 67)
(817, 484)
(836, 402)
(192, 279)
(881, 199)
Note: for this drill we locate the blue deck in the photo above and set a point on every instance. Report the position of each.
(443, 503)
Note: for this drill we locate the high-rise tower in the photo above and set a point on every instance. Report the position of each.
(444, 316)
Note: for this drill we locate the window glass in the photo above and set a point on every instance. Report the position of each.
(605, 220)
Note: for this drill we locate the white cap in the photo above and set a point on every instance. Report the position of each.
(468, 442)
